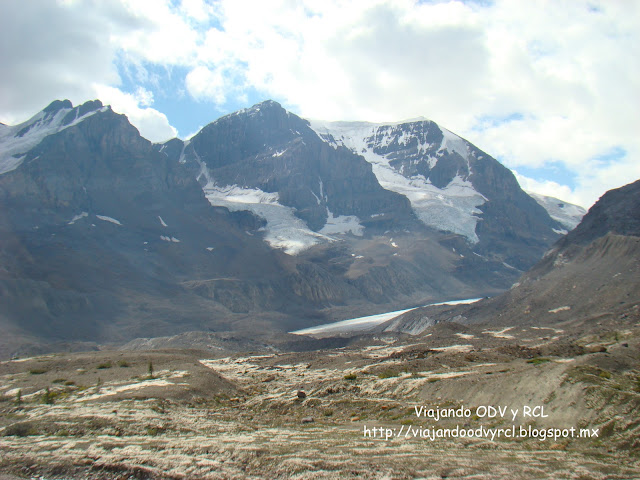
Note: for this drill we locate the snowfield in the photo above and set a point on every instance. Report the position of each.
(452, 208)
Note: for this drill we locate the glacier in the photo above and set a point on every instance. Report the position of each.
(453, 208)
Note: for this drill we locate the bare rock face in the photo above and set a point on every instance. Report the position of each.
(591, 274)
(258, 223)
(270, 149)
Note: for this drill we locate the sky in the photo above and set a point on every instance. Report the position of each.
(549, 88)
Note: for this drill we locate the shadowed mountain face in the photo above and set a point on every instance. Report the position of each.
(259, 223)
(591, 274)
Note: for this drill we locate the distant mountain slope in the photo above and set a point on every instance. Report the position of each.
(593, 272)
(566, 213)
(452, 186)
(257, 224)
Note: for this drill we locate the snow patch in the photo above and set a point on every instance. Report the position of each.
(500, 333)
(169, 239)
(108, 219)
(351, 325)
(454, 348)
(78, 217)
(567, 214)
(368, 322)
(466, 336)
(162, 221)
(452, 208)
(283, 230)
(560, 309)
(453, 143)
(14, 146)
(342, 224)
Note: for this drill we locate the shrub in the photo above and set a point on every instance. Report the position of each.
(47, 396)
(350, 376)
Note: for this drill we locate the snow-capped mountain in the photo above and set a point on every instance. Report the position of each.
(262, 218)
(274, 164)
(568, 214)
(16, 141)
(591, 275)
(403, 155)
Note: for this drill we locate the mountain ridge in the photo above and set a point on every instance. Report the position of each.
(589, 275)
(255, 225)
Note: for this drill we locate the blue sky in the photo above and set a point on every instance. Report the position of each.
(550, 89)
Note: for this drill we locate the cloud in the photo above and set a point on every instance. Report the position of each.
(535, 84)
(203, 83)
(549, 188)
(50, 50)
(56, 50)
(152, 124)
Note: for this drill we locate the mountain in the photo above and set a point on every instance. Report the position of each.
(262, 222)
(589, 276)
(568, 214)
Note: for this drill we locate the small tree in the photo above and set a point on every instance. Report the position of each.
(150, 369)
(19, 396)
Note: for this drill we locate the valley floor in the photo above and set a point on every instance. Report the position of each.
(341, 413)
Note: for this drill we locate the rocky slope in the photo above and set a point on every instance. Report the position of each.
(592, 273)
(211, 415)
(259, 223)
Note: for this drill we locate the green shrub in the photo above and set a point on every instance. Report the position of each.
(350, 376)
(47, 396)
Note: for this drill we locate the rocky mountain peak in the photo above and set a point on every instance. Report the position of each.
(616, 212)
(57, 105)
(16, 141)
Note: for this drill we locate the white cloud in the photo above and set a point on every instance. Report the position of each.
(56, 50)
(203, 83)
(549, 188)
(152, 124)
(565, 69)
(529, 82)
